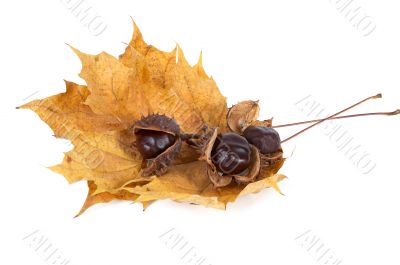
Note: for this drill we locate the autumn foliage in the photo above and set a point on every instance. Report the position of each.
(97, 118)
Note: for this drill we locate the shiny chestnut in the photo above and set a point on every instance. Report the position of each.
(153, 143)
(158, 141)
(231, 154)
(266, 139)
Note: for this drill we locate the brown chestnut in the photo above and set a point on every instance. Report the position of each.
(231, 153)
(266, 139)
(158, 141)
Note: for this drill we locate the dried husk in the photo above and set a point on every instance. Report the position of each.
(220, 180)
(253, 170)
(270, 159)
(266, 123)
(241, 115)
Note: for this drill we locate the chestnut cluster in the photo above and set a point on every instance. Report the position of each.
(230, 155)
(244, 154)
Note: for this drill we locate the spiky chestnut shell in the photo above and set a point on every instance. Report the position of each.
(158, 122)
(158, 141)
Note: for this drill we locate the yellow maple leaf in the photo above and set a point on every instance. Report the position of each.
(97, 119)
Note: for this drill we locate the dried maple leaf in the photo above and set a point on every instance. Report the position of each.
(97, 119)
(190, 183)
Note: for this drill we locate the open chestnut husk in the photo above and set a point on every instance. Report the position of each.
(230, 157)
(242, 119)
(244, 114)
(158, 141)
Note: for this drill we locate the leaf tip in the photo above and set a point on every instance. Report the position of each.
(276, 188)
(180, 57)
(200, 61)
(77, 215)
(137, 38)
(76, 51)
(135, 26)
(25, 106)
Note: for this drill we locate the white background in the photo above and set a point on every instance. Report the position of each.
(275, 51)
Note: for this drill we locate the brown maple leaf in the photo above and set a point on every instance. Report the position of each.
(97, 117)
